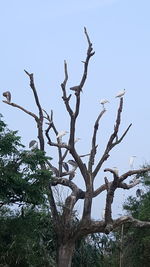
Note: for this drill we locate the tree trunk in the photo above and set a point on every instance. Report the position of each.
(65, 253)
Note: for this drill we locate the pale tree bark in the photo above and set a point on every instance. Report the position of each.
(65, 254)
(67, 229)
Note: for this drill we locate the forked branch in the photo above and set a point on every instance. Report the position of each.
(113, 140)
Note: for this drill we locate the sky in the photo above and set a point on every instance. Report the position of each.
(39, 35)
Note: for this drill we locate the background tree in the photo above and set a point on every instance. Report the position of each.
(21, 178)
(66, 230)
(137, 241)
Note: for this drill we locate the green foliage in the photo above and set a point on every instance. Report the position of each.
(95, 250)
(23, 178)
(137, 240)
(27, 239)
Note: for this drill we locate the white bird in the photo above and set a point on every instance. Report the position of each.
(72, 163)
(131, 161)
(116, 170)
(103, 102)
(61, 134)
(121, 93)
(77, 139)
(7, 94)
(103, 214)
(33, 144)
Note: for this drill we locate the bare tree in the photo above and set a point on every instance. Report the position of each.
(66, 229)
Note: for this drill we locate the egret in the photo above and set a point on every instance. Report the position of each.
(72, 163)
(7, 94)
(33, 144)
(131, 161)
(103, 214)
(116, 170)
(121, 93)
(61, 134)
(103, 102)
(77, 139)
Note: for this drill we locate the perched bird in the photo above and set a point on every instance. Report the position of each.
(7, 94)
(65, 166)
(103, 102)
(131, 161)
(72, 163)
(33, 144)
(77, 139)
(103, 214)
(116, 170)
(121, 93)
(61, 134)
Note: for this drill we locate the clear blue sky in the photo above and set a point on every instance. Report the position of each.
(38, 35)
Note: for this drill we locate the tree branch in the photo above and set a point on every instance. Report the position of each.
(128, 186)
(93, 149)
(63, 86)
(100, 227)
(65, 182)
(23, 109)
(40, 120)
(129, 173)
(111, 143)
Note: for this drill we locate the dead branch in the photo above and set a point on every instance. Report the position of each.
(40, 119)
(89, 55)
(100, 226)
(32, 85)
(63, 86)
(111, 143)
(23, 109)
(84, 155)
(70, 184)
(59, 145)
(129, 173)
(114, 172)
(93, 149)
(128, 186)
(100, 189)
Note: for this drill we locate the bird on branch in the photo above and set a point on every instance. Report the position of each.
(116, 170)
(77, 139)
(131, 161)
(121, 93)
(72, 163)
(7, 94)
(103, 102)
(33, 144)
(61, 134)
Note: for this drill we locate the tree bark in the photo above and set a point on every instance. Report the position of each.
(65, 253)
